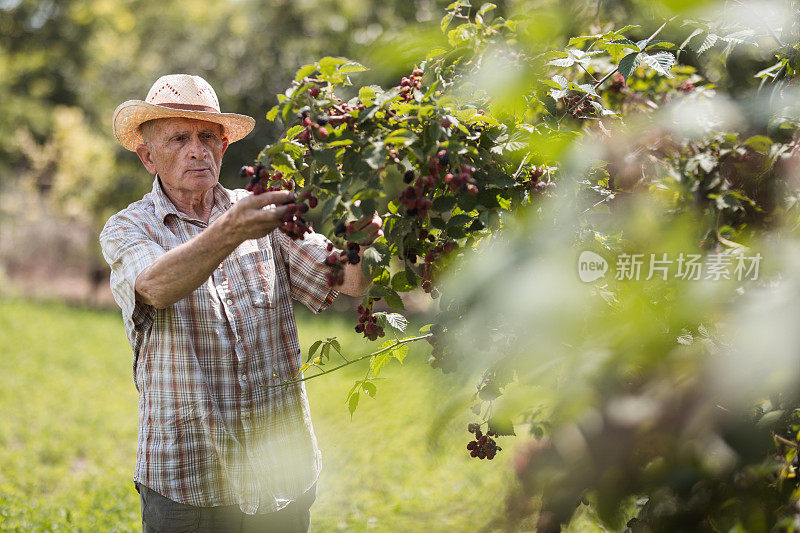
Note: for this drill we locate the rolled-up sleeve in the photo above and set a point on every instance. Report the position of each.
(128, 249)
(304, 260)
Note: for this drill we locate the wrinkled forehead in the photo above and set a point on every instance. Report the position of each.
(168, 126)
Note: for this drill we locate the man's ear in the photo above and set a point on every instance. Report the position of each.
(144, 153)
(225, 144)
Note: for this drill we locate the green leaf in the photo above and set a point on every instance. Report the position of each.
(661, 62)
(438, 223)
(326, 351)
(336, 345)
(392, 320)
(372, 257)
(501, 425)
(759, 143)
(352, 66)
(273, 113)
(369, 388)
(379, 361)
(446, 21)
(485, 8)
(313, 350)
(629, 63)
(366, 95)
(400, 352)
(304, 71)
(375, 155)
(400, 282)
(327, 157)
(293, 131)
(458, 221)
(489, 392)
(352, 403)
(397, 321)
(444, 204)
(708, 43)
(393, 299)
(504, 203)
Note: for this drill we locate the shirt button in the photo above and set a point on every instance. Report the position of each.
(229, 301)
(244, 378)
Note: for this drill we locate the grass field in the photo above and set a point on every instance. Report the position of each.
(68, 434)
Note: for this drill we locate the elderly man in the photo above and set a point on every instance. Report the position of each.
(204, 284)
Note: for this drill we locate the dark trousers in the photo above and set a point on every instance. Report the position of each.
(162, 515)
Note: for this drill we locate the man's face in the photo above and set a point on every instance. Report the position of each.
(186, 153)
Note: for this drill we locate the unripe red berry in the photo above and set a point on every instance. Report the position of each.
(330, 247)
(312, 202)
(314, 92)
(247, 172)
(417, 72)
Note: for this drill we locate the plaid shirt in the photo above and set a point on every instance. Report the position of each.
(209, 432)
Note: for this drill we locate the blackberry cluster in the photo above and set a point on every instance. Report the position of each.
(578, 106)
(415, 199)
(484, 446)
(292, 223)
(367, 324)
(537, 185)
(441, 358)
(427, 286)
(314, 128)
(462, 181)
(337, 260)
(408, 84)
(438, 163)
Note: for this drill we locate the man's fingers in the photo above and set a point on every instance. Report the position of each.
(273, 197)
(272, 212)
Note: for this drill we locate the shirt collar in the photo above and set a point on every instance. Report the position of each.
(164, 206)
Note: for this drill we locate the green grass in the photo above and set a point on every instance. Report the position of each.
(68, 433)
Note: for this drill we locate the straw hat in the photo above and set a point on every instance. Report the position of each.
(181, 96)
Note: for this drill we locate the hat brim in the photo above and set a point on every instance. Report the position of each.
(133, 113)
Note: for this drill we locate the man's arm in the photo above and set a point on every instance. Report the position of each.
(180, 271)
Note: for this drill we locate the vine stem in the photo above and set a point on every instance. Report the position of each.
(350, 362)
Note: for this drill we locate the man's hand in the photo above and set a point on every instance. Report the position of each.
(355, 283)
(256, 215)
(372, 226)
(180, 271)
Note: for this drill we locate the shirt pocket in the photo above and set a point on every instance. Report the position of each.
(258, 271)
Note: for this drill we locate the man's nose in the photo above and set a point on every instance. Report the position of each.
(196, 149)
